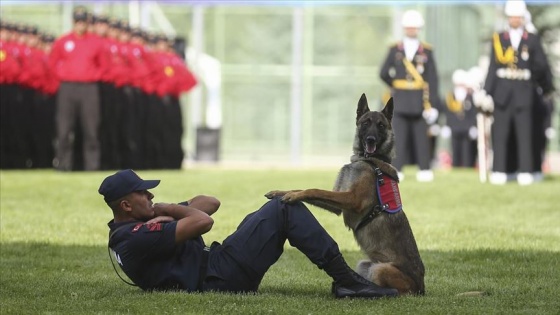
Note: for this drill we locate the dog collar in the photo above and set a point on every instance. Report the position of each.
(388, 195)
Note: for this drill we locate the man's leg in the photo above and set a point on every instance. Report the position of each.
(500, 135)
(456, 149)
(523, 131)
(259, 241)
(421, 143)
(65, 122)
(90, 117)
(402, 140)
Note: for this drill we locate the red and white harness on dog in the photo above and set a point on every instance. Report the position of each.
(388, 195)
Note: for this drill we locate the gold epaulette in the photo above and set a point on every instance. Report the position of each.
(454, 105)
(503, 57)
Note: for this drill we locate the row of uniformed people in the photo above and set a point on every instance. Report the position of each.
(117, 105)
(141, 81)
(27, 96)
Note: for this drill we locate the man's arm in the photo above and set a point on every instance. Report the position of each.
(490, 82)
(384, 72)
(206, 204)
(433, 81)
(191, 222)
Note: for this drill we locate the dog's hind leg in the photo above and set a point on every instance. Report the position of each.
(387, 275)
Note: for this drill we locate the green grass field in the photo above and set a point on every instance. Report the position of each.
(503, 240)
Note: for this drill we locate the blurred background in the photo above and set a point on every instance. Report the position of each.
(279, 80)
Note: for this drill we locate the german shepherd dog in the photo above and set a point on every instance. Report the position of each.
(385, 236)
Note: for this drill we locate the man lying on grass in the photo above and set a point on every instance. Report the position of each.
(160, 246)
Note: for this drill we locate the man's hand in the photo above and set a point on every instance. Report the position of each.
(483, 101)
(191, 222)
(430, 115)
(162, 209)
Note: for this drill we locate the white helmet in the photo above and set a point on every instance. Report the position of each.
(515, 8)
(475, 77)
(460, 77)
(412, 18)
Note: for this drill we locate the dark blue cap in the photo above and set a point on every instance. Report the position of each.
(123, 183)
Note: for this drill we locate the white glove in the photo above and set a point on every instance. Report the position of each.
(473, 133)
(550, 133)
(434, 130)
(445, 132)
(478, 98)
(483, 101)
(430, 115)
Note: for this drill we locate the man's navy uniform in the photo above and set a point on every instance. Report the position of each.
(238, 264)
(411, 97)
(514, 74)
(143, 252)
(461, 118)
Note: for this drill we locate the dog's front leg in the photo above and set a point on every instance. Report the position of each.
(277, 193)
(325, 205)
(330, 200)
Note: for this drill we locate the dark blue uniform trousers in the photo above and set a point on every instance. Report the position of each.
(239, 264)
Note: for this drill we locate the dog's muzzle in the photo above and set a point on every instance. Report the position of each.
(370, 145)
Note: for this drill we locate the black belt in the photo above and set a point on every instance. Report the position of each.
(203, 266)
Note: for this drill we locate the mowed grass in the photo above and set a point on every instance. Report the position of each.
(502, 240)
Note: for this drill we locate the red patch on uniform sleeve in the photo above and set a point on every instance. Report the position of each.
(137, 227)
(389, 195)
(154, 227)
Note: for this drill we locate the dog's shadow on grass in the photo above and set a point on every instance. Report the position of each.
(29, 269)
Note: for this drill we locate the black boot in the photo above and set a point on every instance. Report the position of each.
(347, 283)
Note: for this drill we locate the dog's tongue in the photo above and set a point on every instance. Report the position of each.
(370, 148)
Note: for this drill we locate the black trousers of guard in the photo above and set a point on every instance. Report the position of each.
(507, 120)
(23, 128)
(154, 138)
(241, 261)
(464, 149)
(7, 98)
(109, 130)
(43, 131)
(172, 133)
(131, 125)
(411, 132)
(77, 101)
(541, 111)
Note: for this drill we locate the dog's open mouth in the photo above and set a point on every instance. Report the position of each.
(370, 146)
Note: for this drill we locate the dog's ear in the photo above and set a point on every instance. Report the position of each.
(388, 109)
(362, 107)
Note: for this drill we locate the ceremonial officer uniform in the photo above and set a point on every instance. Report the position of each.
(176, 78)
(108, 135)
(146, 118)
(542, 115)
(517, 67)
(76, 60)
(44, 114)
(460, 114)
(11, 68)
(410, 72)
